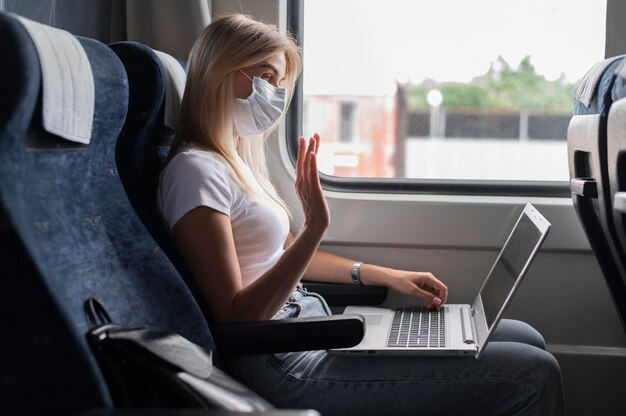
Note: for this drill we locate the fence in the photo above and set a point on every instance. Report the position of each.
(483, 124)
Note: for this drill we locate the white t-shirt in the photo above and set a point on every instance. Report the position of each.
(196, 178)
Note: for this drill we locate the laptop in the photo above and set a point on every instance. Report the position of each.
(454, 330)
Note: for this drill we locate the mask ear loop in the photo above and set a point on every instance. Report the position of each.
(246, 75)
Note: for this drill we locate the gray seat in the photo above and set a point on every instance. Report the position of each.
(589, 182)
(616, 166)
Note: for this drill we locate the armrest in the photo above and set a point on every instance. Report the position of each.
(286, 335)
(586, 187)
(343, 295)
(194, 412)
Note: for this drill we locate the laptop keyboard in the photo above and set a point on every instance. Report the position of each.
(417, 327)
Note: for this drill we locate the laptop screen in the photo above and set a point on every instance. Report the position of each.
(515, 254)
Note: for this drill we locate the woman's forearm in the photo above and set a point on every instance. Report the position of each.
(330, 268)
(263, 298)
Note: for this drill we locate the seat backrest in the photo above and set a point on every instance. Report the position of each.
(616, 162)
(143, 145)
(67, 233)
(588, 171)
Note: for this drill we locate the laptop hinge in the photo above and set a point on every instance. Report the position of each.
(466, 327)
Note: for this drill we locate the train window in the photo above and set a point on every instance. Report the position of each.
(473, 91)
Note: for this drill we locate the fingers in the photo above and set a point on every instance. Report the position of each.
(301, 156)
(308, 187)
(307, 159)
(443, 292)
(313, 145)
(313, 172)
(428, 287)
(307, 175)
(303, 163)
(438, 299)
(432, 299)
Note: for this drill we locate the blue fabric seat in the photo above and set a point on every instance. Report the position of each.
(143, 145)
(67, 233)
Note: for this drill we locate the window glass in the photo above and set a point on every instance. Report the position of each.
(446, 89)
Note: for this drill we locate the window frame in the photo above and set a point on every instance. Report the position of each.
(293, 125)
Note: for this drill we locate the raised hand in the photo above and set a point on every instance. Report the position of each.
(308, 187)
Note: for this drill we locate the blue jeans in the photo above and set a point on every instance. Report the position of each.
(515, 376)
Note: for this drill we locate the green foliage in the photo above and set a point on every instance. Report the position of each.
(464, 95)
(502, 87)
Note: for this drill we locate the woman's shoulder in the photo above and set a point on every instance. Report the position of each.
(194, 157)
(196, 162)
(194, 178)
(192, 167)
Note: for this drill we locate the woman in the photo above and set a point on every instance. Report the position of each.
(233, 230)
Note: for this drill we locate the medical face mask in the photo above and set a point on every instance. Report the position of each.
(261, 110)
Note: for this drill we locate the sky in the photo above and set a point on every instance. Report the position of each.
(361, 47)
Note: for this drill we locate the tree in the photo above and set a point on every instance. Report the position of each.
(502, 87)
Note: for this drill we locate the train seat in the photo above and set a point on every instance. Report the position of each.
(616, 160)
(67, 233)
(144, 141)
(588, 172)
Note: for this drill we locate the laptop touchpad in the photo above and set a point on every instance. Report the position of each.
(372, 319)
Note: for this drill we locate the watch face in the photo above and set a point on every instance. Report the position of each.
(356, 279)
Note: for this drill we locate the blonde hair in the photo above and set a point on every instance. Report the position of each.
(228, 44)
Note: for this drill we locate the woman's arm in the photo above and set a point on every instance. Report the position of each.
(205, 239)
(330, 268)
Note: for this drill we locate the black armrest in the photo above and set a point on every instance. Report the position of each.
(285, 335)
(586, 187)
(194, 412)
(343, 295)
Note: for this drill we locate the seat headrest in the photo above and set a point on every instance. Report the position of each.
(21, 98)
(67, 82)
(146, 84)
(157, 71)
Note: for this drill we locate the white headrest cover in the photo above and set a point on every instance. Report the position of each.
(68, 85)
(174, 88)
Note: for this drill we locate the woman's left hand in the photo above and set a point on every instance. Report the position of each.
(422, 284)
